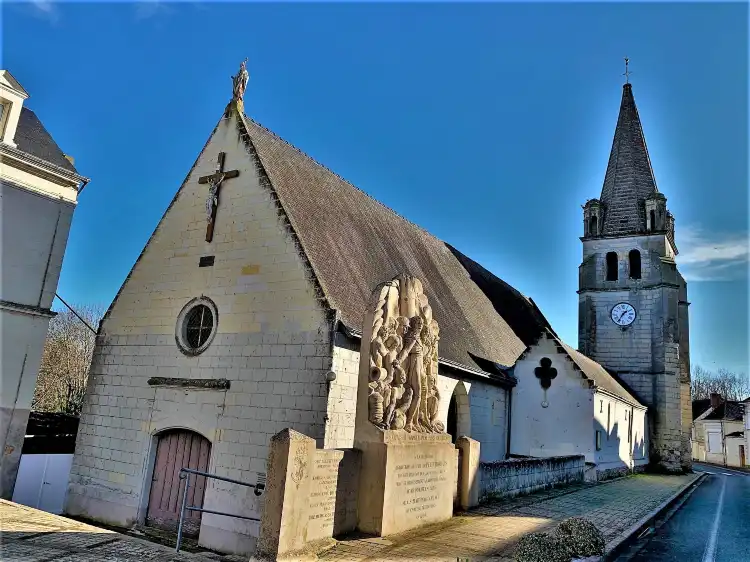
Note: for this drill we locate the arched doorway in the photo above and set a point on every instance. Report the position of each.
(176, 449)
(459, 420)
(453, 418)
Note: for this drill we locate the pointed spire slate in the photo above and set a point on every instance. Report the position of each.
(629, 178)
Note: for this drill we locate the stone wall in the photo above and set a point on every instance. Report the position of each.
(523, 476)
(342, 396)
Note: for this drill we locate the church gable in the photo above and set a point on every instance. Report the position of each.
(251, 268)
(555, 421)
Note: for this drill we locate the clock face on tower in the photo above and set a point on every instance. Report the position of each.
(623, 314)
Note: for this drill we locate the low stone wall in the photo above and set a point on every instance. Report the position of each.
(515, 477)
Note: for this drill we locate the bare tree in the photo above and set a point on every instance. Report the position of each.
(731, 386)
(61, 384)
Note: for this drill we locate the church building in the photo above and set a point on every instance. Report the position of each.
(243, 316)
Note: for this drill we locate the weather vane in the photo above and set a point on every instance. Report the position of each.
(627, 73)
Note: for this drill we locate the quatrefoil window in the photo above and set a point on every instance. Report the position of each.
(545, 373)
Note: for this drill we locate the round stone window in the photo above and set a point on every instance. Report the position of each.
(196, 326)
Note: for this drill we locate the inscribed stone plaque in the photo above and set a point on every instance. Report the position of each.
(322, 507)
(420, 487)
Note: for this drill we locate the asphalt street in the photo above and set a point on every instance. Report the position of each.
(712, 525)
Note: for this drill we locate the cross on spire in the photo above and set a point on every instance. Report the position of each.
(627, 72)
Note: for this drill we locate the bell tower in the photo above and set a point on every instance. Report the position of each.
(633, 309)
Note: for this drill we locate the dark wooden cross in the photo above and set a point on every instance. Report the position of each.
(546, 372)
(214, 182)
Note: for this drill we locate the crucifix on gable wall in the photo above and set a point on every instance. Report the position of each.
(214, 182)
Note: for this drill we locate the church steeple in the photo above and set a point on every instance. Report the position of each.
(629, 263)
(629, 179)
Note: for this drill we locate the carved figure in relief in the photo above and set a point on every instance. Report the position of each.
(402, 385)
(433, 394)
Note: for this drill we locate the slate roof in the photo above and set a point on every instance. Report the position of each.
(519, 311)
(354, 242)
(33, 138)
(629, 178)
(729, 410)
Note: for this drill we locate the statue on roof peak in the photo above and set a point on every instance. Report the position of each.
(239, 83)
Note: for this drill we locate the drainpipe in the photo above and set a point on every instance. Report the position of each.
(510, 417)
(51, 248)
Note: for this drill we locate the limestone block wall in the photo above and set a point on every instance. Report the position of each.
(515, 477)
(342, 398)
(272, 343)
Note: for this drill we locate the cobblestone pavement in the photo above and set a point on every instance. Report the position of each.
(30, 535)
(490, 533)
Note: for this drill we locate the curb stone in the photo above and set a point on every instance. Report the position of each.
(614, 547)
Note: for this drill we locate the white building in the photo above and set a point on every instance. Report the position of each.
(39, 187)
(719, 432)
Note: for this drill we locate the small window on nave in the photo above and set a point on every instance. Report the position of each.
(652, 216)
(611, 266)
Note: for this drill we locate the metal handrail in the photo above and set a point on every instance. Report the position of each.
(185, 475)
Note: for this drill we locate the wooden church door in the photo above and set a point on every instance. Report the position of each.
(177, 449)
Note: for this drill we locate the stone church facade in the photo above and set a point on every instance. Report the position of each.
(259, 330)
(243, 317)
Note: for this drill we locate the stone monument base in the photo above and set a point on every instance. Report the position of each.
(407, 480)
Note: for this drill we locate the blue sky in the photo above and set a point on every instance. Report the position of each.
(487, 124)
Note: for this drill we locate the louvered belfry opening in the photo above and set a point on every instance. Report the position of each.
(611, 266)
(635, 264)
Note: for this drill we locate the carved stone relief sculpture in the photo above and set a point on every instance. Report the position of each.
(402, 388)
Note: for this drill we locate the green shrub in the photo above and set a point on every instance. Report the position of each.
(541, 547)
(581, 537)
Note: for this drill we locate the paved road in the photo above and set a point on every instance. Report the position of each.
(713, 525)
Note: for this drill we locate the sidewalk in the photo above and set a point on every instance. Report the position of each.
(490, 533)
(30, 535)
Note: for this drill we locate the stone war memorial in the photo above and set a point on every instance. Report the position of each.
(408, 461)
(403, 470)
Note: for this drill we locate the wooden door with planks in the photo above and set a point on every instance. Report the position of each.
(176, 449)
